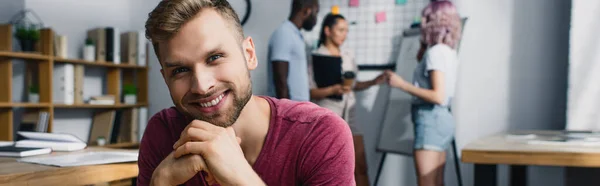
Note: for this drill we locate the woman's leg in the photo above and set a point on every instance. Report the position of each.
(440, 173)
(360, 171)
(428, 166)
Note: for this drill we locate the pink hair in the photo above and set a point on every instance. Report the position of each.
(440, 23)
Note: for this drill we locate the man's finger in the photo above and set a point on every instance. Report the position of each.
(210, 179)
(193, 134)
(239, 140)
(190, 148)
(196, 161)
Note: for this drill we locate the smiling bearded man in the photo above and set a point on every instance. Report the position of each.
(218, 132)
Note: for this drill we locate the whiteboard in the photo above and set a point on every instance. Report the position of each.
(371, 42)
(396, 133)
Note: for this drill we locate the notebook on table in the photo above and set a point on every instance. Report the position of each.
(12, 151)
(57, 142)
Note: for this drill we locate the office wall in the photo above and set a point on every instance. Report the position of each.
(513, 73)
(584, 69)
(10, 8)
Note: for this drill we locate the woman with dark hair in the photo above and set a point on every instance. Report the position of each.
(333, 34)
(433, 88)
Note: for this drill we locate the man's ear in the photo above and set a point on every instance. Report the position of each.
(250, 53)
(307, 12)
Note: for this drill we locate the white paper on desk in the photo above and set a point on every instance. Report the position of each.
(81, 159)
(6, 143)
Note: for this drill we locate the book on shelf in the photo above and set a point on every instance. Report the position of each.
(42, 124)
(113, 43)
(102, 100)
(78, 87)
(63, 83)
(57, 142)
(142, 121)
(103, 97)
(60, 46)
(34, 121)
(102, 126)
(129, 47)
(12, 151)
(98, 36)
(127, 126)
(142, 48)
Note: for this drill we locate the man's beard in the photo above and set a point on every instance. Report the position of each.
(309, 23)
(231, 114)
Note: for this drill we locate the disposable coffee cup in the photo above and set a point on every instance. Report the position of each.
(348, 78)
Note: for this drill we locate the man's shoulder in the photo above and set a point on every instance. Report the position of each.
(283, 32)
(165, 119)
(165, 114)
(304, 112)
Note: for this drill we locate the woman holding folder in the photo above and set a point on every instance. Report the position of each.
(333, 34)
(433, 88)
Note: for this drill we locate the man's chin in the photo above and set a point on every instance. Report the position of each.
(217, 120)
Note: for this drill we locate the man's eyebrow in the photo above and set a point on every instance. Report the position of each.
(215, 50)
(173, 64)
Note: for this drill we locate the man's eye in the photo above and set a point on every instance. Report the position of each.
(214, 57)
(180, 70)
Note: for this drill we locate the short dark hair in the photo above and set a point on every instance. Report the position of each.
(298, 5)
(170, 15)
(329, 21)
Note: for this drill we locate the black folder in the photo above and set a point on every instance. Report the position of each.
(327, 71)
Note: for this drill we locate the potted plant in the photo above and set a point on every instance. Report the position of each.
(129, 94)
(89, 50)
(34, 94)
(28, 37)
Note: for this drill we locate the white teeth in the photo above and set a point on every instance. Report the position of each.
(213, 102)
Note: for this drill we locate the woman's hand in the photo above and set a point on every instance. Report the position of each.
(338, 89)
(395, 80)
(382, 78)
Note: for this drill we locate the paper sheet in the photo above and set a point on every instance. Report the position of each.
(84, 158)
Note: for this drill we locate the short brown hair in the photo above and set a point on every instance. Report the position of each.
(168, 17)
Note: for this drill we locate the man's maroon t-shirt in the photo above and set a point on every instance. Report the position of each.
(305, 145)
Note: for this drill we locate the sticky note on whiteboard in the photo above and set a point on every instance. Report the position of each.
(380, 17)
(400, 2)
(353, 3)
(335, 9)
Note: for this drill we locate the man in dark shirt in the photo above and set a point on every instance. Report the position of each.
(218, 132)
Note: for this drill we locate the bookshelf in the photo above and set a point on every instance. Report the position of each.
(42, 63)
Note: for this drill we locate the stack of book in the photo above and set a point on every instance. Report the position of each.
(102, 100)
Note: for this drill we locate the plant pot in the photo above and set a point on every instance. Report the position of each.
(34, 98)
(89, 53)
(130, 99)
(27, 45)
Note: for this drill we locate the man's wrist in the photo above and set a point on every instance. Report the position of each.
(160, 178)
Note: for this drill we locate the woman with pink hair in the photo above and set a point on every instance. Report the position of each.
(433, 88)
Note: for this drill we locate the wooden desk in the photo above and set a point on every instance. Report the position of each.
(16, 173)
(486, 153)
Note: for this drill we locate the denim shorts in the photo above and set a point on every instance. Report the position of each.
(434, 127)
